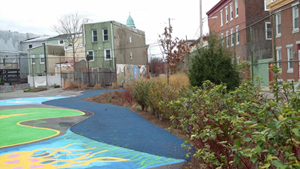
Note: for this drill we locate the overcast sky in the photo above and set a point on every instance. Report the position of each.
(36, 16)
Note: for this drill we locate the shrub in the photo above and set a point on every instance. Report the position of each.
(214, 64)
(241, 129)
(140, 93)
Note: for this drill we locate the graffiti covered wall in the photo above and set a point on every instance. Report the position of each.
(127, 72)
(7, 88)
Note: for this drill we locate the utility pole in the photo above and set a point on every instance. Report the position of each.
(44, 44)
(201, 23)
(168, 67)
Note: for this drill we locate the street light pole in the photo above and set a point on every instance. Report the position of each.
(201, 23)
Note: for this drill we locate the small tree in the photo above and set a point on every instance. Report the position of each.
(213, 63)
(70, 25)
(157, 66)
(173, 49)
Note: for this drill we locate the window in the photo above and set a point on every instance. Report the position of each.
(268, 30)
(130, 55)
(237, 39)
(61, 42)
(232, 37)
(32, 59)
(231, 12)
(30, 46)
(236, 8)
(42, 58)
(130, 39)
(222, 39)
(226, 14)
(91, 55)
(221, 16)
(290, 58)
(295, 19)
(94, 36)
(227, 40)
(105, 34)
(107, 54)
(266, 6)
(278, 25)
(278, 55)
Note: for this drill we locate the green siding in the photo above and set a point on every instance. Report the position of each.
(99, 46)
(36, 68)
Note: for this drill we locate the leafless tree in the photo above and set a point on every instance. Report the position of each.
(173, 49)
(70, 25)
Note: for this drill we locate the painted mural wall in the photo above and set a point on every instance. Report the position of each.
(127, 72)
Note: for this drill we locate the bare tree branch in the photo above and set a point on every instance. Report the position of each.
(70, 25)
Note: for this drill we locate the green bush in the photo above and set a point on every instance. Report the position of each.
(214, 64)
(140, 93)
(241, 129)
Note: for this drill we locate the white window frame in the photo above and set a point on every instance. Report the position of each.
(130, 39)
(222, 39)
(105, 54)
(32, 57)
(232, 37)
(295, 16)
(237, 38)
(104, 35)
(226, 14)
(231, 11)
(130, 55)
(221, 16)
(266, 6)
(93, 35)
(236, 8)
(279, 56)
(42, 56)
(289, 49)
(227, 40)
(60, 41)
(266, 30)
(278, 24)
(88, 53)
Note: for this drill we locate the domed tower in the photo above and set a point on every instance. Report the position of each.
(130, 22)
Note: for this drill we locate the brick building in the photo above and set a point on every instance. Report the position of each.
(234, 21)
(286, 46)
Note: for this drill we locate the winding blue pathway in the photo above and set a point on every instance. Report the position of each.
(121, 127)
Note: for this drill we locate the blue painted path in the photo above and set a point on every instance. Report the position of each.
(75, 151)
(121, 127)
(29, 100)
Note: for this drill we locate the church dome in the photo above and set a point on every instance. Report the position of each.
(130, 22)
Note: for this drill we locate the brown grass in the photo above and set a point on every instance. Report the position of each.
(98, 86)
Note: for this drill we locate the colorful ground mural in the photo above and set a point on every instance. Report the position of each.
(15, 133)
(130, 72)
(30, 100)
(74, 151)
(44, 149)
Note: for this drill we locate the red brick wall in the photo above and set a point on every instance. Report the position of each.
(287, 38)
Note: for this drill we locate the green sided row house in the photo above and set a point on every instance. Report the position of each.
(112, 44)
(45, 57)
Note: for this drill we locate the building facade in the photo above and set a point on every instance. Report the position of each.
(110, 43)
(286, 46)
(244, 28)
(12, 55)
